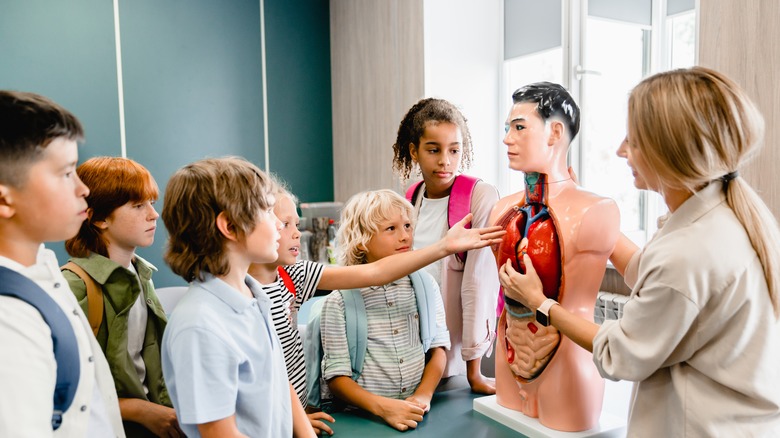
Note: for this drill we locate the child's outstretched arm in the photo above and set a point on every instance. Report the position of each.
(391, 268)
(399, 414)
(432, 373)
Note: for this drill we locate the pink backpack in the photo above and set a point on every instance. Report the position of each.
(459, 204)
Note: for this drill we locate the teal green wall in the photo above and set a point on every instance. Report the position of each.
(192, 75)
(299, 101)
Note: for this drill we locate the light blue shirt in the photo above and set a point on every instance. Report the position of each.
(221, 356)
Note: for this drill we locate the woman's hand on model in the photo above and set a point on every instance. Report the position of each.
(527, 288)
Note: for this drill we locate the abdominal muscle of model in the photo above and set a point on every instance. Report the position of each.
(539, 372)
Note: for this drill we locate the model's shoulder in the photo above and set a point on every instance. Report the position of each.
(504, 204)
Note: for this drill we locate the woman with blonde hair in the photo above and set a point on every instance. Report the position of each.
(700, 335)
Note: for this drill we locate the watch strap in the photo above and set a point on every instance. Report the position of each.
(543, 312)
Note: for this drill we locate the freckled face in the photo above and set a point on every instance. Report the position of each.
(130, 226)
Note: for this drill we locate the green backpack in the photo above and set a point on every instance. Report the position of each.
(357, 332)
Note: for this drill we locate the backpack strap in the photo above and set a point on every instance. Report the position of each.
(66, 348)
(460, 203)
(286, 279)
(94, 295)
(357, 329)
(413, 191)
(312, 353)
(424, 290)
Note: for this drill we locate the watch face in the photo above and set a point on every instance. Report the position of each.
(542, 319)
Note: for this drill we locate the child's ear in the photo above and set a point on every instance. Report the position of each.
(7, 209)
(413, 152)
(101, 225)
(226, 227)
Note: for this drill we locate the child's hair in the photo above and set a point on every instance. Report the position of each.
(694, 126)
(280, 188)
(412, 127)
(552, 100)
(196, 194)
(28, 123)
(360, 220)
(112, 183)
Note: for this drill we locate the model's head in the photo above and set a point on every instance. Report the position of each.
(551, 101)
(196, 195)
(691, 126)
(427, 113)
(28, 124)
(373, 225)
(113, 183)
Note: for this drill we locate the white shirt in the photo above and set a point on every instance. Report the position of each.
(430, 227)
(28, 368)
(136, 330)
(699, 335)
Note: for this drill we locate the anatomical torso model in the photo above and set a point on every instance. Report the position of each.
(570, 234)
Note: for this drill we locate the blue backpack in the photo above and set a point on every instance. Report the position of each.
(357, 332)
(66, 349)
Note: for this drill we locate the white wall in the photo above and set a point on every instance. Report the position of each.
(463, 45)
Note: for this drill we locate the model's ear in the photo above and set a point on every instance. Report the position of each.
(557, 131)
(7, 209)
(413, 151)
(226, 227)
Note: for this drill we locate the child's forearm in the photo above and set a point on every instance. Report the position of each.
(432, 373)
(348, 390)
(301, 424)
(393, 267)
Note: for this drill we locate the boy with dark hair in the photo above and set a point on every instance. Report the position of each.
(43, 200)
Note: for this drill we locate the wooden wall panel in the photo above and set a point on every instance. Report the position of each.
(739, 38)
(377, 74)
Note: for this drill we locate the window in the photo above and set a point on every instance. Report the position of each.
(602, 49)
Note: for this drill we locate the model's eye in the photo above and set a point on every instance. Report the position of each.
(433, 151)
(506, 129)
(519, 127)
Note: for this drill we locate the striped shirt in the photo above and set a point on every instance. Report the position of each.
(305, 276)
(395, 358)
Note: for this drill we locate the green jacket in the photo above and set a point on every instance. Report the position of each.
(120, 291)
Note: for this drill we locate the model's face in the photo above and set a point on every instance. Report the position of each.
(262, 243)
(528, 139)
(130, 226)
(290, 241)
(50, 205)
(394, 236)
(644, 179)
(439, 155)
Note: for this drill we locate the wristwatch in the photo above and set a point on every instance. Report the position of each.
(543, 312)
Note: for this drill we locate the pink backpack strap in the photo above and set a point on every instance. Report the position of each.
(411, 192)
(460, 203)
